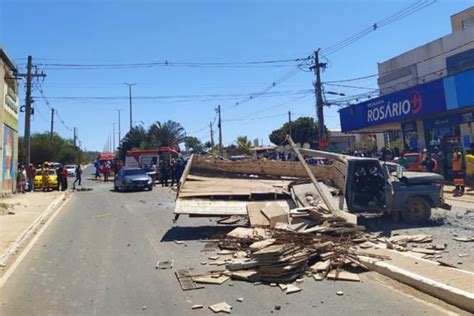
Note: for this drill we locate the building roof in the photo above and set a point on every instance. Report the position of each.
(8, 61)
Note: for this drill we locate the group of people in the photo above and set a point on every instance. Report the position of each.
(105, 169)
(26, 177)
(171, 170)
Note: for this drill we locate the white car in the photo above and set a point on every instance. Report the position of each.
(71, 170)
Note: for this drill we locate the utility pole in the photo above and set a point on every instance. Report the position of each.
(28, 111)
(52, 123)
(212, 135)
(75, 137)
(119, 129)
(219, 125)
(130, 85)
(113, 137)
(319, 94)
(289, 121)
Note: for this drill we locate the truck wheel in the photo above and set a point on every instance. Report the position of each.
(417, 210)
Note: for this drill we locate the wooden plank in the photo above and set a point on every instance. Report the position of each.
(186, 171)
(275, 214)
(256, 217)
(327, 198)
(343, 276)
(195, 206)
(185, 280)
(209, 279)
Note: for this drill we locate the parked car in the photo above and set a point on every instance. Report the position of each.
(415, 160)
(53, 179)
(132, 179)
(71, 170)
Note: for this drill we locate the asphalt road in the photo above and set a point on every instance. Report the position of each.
(98, 257)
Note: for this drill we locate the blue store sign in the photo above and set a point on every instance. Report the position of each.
(407, 104)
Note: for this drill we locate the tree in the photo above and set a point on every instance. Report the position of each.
(136, 138)
(194, 145)
(43, 148)
(243, 145)
(303, 130)
(169, 134)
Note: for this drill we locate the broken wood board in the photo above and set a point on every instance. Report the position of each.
(206, 207)
(221, 307)
(247, 233)
(343, 276)
(209, 279)
(256, 217)
(245, 275)
(186, 281)
(206, 165)
(164, 264)
(275, 214)
(320, 266)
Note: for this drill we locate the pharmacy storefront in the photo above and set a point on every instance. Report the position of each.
(439, 113)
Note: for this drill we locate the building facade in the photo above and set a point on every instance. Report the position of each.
(426, 94)
(8, 124)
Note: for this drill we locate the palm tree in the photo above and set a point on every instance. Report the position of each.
(243, 145)
(136, 138)
(169, 134)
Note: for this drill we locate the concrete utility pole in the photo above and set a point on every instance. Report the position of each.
(319, 94)
(119, 129)
(130, 85)
(289, 122)
(28, 111)
(219, 125)
(113, 137)
(212, 135)
(52, 123)
(75, 137)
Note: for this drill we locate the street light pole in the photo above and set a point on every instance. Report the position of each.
(119, 129)
(130, 85)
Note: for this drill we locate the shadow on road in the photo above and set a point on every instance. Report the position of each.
(196, 232)
(385, 224)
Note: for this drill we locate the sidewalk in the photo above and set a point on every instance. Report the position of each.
(19, 216)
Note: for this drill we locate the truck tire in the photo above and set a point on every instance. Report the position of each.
(417, 211)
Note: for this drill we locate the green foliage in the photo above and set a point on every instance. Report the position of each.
(303, 130)
(56, 149)
(169, 134)
(194, 145)
(243, 145)
(159, 134)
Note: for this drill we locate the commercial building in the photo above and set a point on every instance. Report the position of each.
(426, 94)
(8, 124)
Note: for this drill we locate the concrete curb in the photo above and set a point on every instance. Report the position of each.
(13, 248)
(445, 292)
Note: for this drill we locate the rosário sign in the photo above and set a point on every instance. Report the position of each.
(402, 105)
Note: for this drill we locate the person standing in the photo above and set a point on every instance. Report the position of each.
(78, 176)
(21, 180)
(60, 173)
(469, 168)
(64, 183)
(440, 158)
(106, 172)
(402, 161)
(45, 176)
(31, 173)
(165, 171)
(428, 164)
(457, 170)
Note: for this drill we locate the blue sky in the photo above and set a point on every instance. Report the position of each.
(126, 32)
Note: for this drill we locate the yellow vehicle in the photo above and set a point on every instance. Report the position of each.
(53, 179)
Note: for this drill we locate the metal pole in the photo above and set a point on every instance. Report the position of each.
(220, 130)
(113, 137)
(52, 124)
(289, 121)
(130, 101)
(319, 96)
(119, 128)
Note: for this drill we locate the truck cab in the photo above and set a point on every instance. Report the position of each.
(372, 187)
